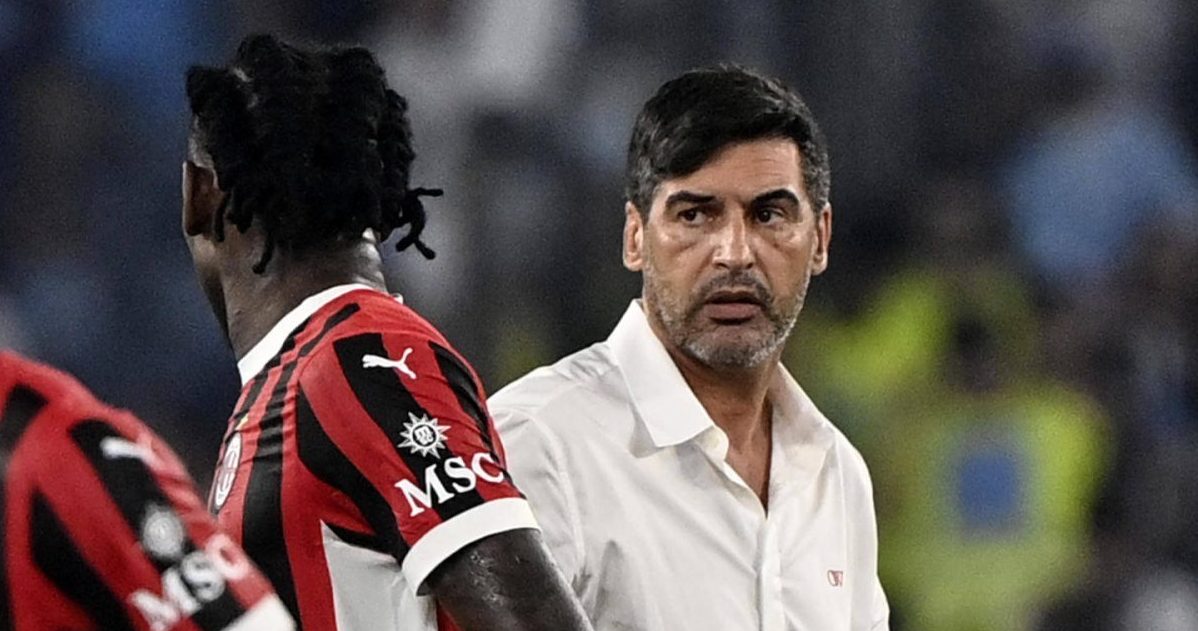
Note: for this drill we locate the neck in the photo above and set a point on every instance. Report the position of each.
(254, 303)
(735, 399)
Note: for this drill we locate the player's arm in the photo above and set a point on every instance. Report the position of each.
(118, 527)
(506, 582)
(410, 416)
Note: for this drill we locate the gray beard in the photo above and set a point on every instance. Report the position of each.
(739, 357)
(678, 321)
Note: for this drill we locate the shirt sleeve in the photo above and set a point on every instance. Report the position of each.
(118, 528)
(397, 421)
(538, 466)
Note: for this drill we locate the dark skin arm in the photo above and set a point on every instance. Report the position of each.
(507, 582)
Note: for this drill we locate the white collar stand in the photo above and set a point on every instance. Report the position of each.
(254, 361)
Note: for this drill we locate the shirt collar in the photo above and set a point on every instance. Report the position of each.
(665, 403)
(254, 361)
(673, 415)
(802, 434)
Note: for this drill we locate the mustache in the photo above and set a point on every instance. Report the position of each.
(738, 281)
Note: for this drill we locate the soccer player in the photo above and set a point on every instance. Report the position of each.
(682, 477)
(101, 526)
(360, 469)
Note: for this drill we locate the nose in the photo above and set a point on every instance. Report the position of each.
(732, 248)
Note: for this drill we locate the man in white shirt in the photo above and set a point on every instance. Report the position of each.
(682, 478)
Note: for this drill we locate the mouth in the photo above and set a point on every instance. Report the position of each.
(733, 306)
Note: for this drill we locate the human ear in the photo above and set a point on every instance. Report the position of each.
(634, 232)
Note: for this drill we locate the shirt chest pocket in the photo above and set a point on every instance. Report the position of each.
(817, 587)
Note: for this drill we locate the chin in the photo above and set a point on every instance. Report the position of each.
(727, 354)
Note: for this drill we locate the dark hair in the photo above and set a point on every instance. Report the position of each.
(692, 117)
(311, 143)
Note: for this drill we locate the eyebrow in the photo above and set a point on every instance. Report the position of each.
(777, 194)
(687, 197)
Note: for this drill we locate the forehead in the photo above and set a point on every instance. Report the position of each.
(742, 170)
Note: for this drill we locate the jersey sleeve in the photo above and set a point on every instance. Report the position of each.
(397, 421)
(119, 529)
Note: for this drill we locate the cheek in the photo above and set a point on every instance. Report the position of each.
(787, 262)
(674, 242)
(675, 257)
(670, 284)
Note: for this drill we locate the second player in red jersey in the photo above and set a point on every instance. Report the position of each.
(101, 528)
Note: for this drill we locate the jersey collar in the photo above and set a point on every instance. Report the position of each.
(254, 361)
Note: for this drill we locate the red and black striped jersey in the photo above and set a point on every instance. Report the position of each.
(360, 456)
(102, 528)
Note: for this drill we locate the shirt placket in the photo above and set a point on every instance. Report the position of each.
(768, 558)
(769, 576)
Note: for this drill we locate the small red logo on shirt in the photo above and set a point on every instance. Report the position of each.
(835, 578)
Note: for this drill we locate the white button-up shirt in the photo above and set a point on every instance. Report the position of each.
(627, 476)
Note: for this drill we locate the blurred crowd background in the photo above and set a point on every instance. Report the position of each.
(1008, 330)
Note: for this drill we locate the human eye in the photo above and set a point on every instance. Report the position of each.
(692, 215)
(768, 214)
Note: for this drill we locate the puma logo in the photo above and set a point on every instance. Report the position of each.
(374, 361)
(114, 447)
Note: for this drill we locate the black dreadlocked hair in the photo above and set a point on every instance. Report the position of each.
(312, 143)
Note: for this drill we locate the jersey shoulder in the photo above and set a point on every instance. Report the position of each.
(50, 384)
(57, 401)
(388, 315)
(381, 333)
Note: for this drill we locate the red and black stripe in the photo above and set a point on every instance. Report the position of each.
(263, 536)
(256, 387)
(134, 488)
(19, 409)
(464, 386)
(127, 480)
(60, 560)
(388, 402)
(321, 456)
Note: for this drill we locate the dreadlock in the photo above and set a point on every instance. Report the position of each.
(312, 143)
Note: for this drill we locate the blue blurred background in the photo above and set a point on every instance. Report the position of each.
(1008, 331)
